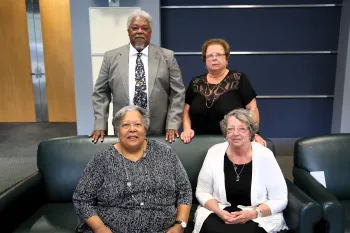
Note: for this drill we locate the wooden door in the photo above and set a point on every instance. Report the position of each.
(58, 57)
(16, 88)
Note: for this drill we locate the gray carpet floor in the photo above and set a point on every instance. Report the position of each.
(19, 142)
(18, 145)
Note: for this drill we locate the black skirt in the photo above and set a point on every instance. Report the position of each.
(214, 224)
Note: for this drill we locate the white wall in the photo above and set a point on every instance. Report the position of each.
(108, 30)
(83, 76)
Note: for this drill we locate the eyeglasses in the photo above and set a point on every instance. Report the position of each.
(214, 55)
(239, 129)
(136, 29)
(127, 125)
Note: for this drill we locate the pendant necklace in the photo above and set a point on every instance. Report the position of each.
(129, 183)
(209, 91)
(235, 167)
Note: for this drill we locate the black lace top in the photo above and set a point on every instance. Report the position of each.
(210, 102)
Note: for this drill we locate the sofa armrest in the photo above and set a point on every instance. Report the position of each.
(333, 212)
(21, 200)
(302, 212)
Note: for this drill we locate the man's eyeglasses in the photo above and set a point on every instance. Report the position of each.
(136, 29)
(239, 129)
(214, 55)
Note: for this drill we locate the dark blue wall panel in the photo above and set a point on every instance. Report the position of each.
(243, 2)
(185, 30)
(275, 74)
(294, 118)
(267, 29)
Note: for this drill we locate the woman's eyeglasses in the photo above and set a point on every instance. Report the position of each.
(214, 55)
(239, 129)
(127, 125)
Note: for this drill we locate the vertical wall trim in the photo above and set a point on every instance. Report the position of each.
(341, 107)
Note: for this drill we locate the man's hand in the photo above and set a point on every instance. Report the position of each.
(170, 135)
(176, 229)
(241, 217)
(260, 140)
(103, 229)
(187, 135)
(96, 134)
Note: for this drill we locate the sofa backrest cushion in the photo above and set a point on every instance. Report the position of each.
(62, 160)
(329, 153)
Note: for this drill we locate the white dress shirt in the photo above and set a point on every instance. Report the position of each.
(132, 64)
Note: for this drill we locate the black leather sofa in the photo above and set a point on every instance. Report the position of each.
(42, 203)
(331, 154)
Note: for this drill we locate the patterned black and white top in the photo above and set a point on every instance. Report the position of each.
(129, 196)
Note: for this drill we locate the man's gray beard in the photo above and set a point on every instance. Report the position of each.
(139, 46)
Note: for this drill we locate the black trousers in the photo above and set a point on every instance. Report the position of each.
(214, 224)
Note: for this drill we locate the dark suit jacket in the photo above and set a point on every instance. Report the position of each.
(166, 91)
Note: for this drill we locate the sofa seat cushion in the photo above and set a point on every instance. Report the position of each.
(346, 206)
(51, 218)
(61, 218)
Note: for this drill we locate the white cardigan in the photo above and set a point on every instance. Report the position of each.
(268, 186)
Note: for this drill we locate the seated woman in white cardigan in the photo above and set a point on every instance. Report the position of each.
(240, 187)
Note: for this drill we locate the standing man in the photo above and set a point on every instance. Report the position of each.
(142, 74)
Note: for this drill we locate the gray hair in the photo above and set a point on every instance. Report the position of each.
(139, 13)
(122, 112)
(244, 116)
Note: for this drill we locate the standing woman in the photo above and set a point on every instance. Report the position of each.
(210, 96)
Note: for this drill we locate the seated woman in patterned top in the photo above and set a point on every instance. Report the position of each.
(210, 96)
(135, 185)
